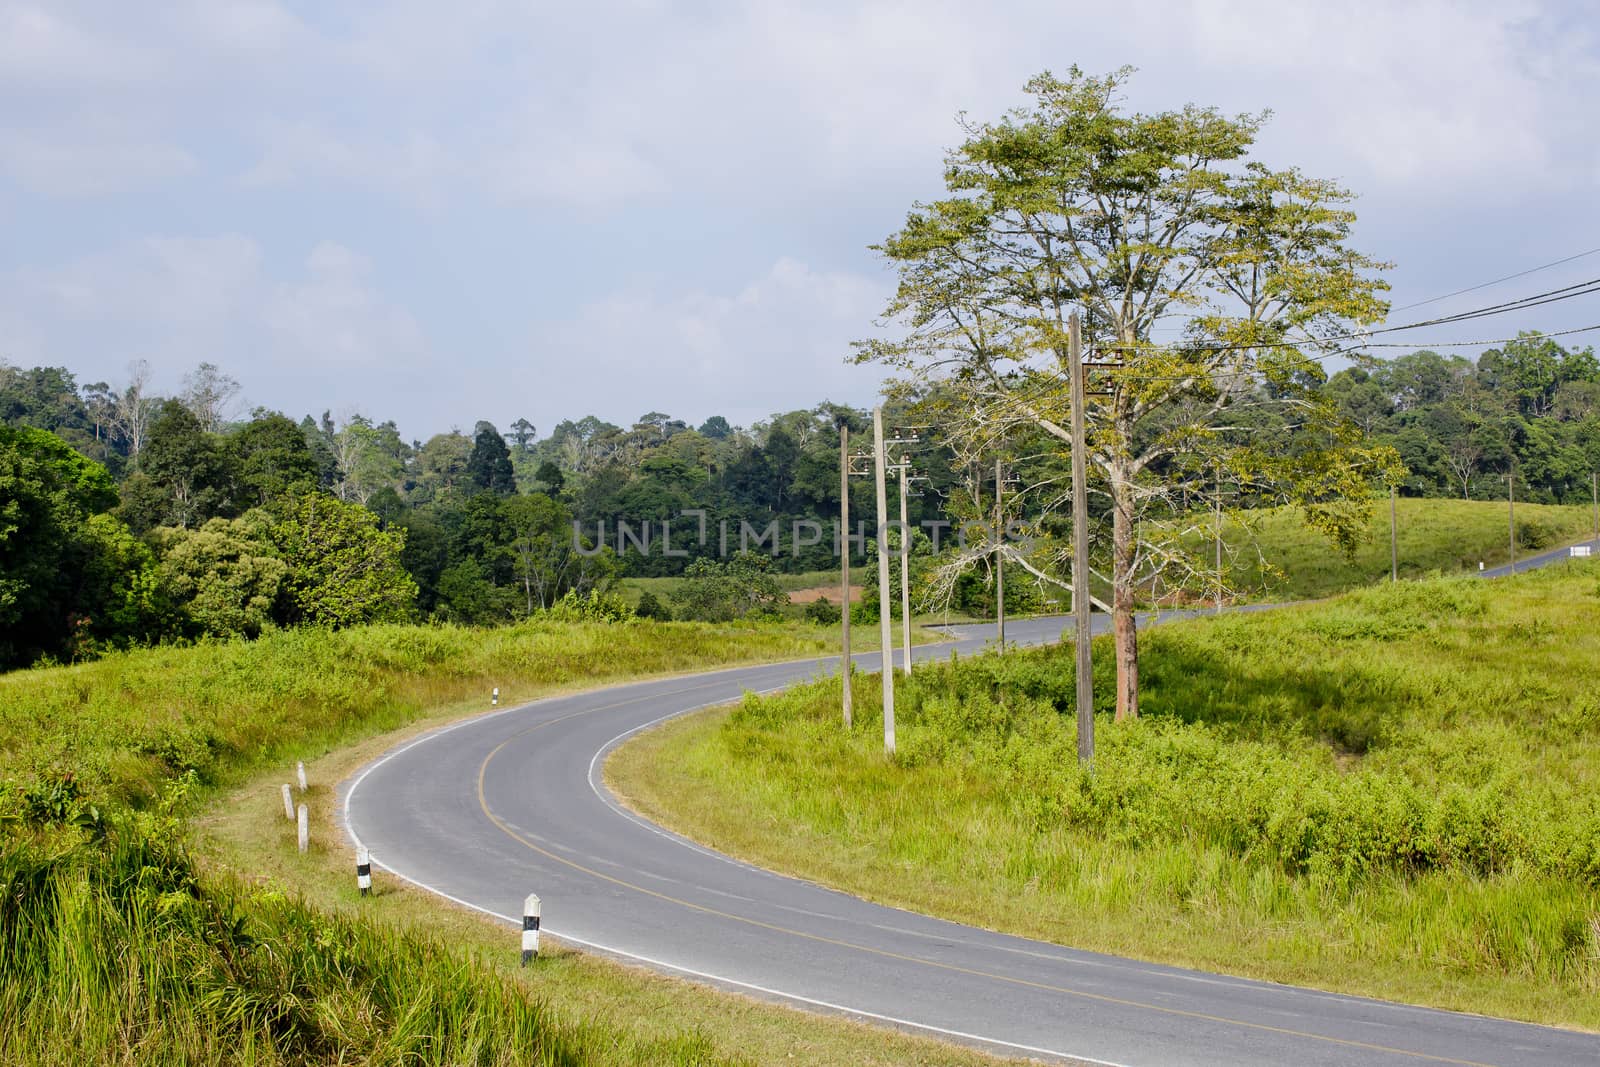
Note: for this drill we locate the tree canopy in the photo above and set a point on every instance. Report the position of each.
(1141, 222)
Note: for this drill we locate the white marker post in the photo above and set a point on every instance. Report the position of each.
(300, 769)
(304, 825)
(530, 928)
(363, 870)
(494, 701)
(288, 803)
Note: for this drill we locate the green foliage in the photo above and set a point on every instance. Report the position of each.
(650, 607)
(119, 952)
(70, 577)
(273, 458)
(185, 476)
(130, 720)
(714, 591)
(1077, 204)
(595, 607)
(1415, 761)
(225, 577)
(1268, 553)
(343, 569)
(489, 465)
(822, 611)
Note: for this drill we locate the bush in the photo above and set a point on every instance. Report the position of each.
(823, 611)
(651, 607)
(596, 607)
(715, 591)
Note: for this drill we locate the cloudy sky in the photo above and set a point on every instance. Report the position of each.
(501, 208)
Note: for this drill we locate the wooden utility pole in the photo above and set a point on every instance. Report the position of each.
(845, 663)
(1394, 538)
(1080, 549)
(1217, 522)
(905, 570)
(1511, 510)
(999, 558)
(885, 605)
(1594, 490)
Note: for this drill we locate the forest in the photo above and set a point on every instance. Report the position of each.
(132, 518)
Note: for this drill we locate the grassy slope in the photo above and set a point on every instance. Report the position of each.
(178, 968)
(1393, 793)
(1273, 553)
(125, 723)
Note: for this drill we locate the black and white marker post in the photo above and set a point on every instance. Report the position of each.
(363, 870)
(530, 928)
(494, 700)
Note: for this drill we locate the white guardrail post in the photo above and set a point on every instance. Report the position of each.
(288, 803)
(304, 827)
(530, 928)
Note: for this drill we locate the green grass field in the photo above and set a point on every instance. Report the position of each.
(1271, 555)
(130, 934)
(124, 724)
(1394, 793)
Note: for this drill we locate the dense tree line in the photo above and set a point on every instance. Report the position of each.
(1462, 425)
(127, 517)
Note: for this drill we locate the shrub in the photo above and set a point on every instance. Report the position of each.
(651, 607)
(823, 611)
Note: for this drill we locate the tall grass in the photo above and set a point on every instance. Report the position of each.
(123, 725)
(113, 950)
(116, 952)
(1394, 792)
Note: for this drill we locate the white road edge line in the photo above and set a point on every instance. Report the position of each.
(707, 976)
(355, 839)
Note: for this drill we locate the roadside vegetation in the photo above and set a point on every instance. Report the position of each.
(1392, 793)
(120, 942)
(123, 725)
(1270, 555)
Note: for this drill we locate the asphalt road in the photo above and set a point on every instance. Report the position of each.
(490, 809)
(1542, 559)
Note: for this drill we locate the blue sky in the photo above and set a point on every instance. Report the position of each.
(440, 213)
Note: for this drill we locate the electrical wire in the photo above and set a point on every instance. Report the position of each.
(1497, 281)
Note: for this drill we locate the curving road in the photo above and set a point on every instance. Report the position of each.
(492, 808)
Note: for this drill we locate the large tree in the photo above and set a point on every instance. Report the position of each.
(1144, 223)
(489, 463)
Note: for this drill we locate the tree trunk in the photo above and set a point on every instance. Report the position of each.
(1123, 624)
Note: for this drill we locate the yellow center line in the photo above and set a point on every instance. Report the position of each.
(1102, 998)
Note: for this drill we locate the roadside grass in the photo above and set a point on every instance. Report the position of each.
(125, 724)
(631, 1015)
(1395, 793)
(129, 933)
(1271, 555)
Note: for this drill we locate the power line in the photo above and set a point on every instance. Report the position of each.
(1549, 296)
(1497, 281)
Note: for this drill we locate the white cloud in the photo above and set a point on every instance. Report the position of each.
(336, 318)
(778, 341)
(76, 166)
(177, 301)
(43, 47)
